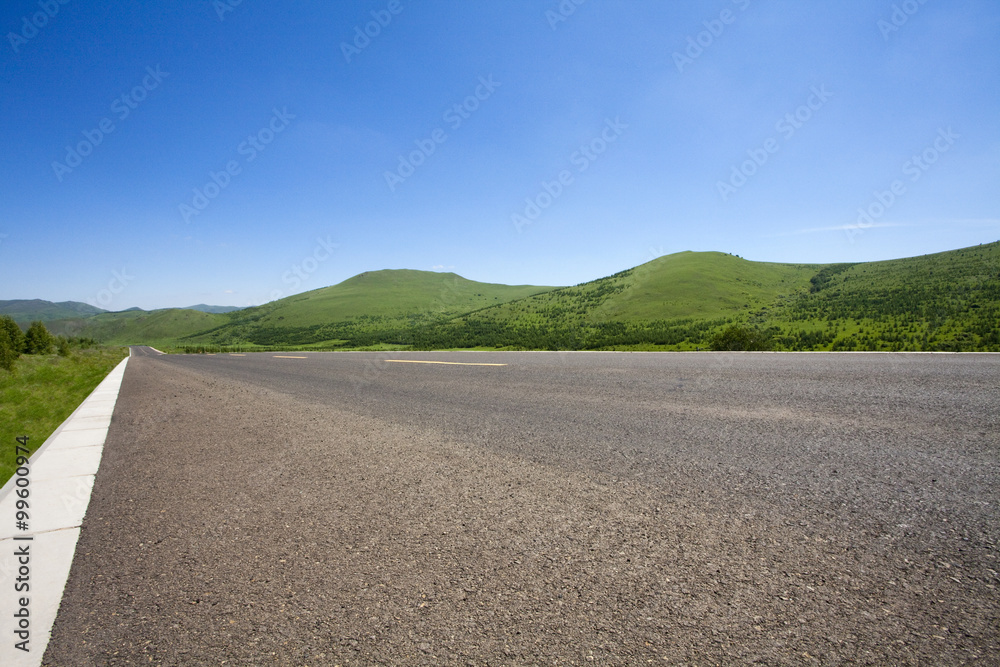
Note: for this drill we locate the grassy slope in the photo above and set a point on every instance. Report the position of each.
(42, 391)
(376, 300)
(393, 294)
(943, 301)
(96, 326)
(682, 285)
(139, 327)
(946, 301)
(25, 311)
(703, 284)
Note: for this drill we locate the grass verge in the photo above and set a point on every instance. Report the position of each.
(42, 391)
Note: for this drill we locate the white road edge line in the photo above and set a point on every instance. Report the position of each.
(61, 476)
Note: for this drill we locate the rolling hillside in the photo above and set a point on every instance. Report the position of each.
(362, 310)
(132, 327)
(375, 301)
(671, 302)
(386, 294)
(205, 308)
(945, 301)
(25, 311)
(682, 285)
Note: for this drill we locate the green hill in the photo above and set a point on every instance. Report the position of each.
(25, 311)
(367, 309)
(205, 308)
(682, 285)
(944, 301)
(135, 327)
(385, 294)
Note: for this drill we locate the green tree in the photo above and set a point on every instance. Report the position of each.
(11, 342)
(38, 340)
(63, 346)
(14, 333)
(8, 355)
(741, 338)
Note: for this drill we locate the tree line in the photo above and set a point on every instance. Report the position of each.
(36, 340)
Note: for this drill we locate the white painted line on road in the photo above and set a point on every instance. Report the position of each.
(278, 356)
(61, 476)
(154, 349)
(445, 363)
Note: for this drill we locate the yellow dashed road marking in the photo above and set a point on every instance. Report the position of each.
(445, 363)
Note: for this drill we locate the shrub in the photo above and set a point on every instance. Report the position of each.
(63, 346)
(11, 342)
(741, 338)
(8, 355)
(38, 340)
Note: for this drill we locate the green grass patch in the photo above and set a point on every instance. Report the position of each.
(42, 391)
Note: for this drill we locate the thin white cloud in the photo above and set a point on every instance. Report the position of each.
(964, 222)
(974, 222)
(841, 228)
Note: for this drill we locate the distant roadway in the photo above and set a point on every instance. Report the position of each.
(528, 508)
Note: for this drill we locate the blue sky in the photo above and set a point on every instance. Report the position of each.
(169, 153)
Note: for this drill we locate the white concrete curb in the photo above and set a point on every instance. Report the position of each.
(61, 476)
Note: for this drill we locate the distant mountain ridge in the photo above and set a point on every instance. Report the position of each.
(25, 311)
(213, 309)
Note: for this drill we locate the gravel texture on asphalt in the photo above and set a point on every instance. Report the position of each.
(567, 508)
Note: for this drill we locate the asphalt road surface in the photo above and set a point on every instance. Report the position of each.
(560, 508)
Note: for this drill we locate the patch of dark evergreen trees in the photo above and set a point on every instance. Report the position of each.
(36, 340)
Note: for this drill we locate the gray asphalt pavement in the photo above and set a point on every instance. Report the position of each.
(543, 508)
